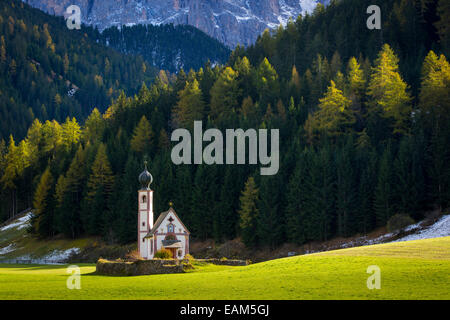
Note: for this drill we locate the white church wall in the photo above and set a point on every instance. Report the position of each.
(161, 237)
(143, 246)
(179, 231)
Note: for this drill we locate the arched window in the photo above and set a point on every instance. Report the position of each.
(170, 228)
(144, 199)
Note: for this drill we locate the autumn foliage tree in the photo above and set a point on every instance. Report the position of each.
(142, 136)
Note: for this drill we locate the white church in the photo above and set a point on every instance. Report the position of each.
(168, 232)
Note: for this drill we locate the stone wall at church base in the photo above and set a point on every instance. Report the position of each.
(137, 268)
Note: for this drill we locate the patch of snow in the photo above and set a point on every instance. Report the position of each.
(413, 226)
(308, 6)
(439, 229)
(20, 223)
(60, 255)
(54, 257)
(7, 249)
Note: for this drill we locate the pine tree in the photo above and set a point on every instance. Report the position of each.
(295, 223)
(190, 106)
(69, 195)
(204, 197)
(295, 83)
(320, 200)
(346, 190)
(10, 171)
(269, 230)
(163, 140)
(435, 90)
(71, 133)
(224, 96)
(66, 64)
(336, 63)
(367, 163)
(123, 219)
(227, 206)
(142, 136)
(12, 68)
(333, 116)
(388, 91)
(42, 221)
(438, 169)
(384, 207)
(443, 25)
(356, 83)
(281, 110)
(249, 110)
(249, 212)
(431, 63)
(2, 50)
(99, 188)
(17, 160)
(267, 83)
(409, 188)
(93, 127)
(244, 75)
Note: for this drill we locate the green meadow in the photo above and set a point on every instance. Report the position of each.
(409, 270)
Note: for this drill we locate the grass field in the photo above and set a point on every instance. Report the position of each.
(409, 270)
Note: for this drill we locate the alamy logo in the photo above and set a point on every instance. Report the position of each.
(235, 140)
(374, 281)
(374, 21)
(74, 17)
(74, 280)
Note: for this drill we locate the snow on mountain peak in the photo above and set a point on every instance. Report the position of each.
(230, 21)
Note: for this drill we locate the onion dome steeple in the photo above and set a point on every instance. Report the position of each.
(145, 178)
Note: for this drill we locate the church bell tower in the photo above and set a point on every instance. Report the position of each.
(145, 212)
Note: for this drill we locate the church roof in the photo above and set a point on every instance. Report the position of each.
(145, 178)
(172, 244)
(160, 219)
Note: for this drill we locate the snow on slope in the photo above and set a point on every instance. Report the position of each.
(54, 257)
(229, 21)
(11, 246)
(7, 249)
(308, 6)
(60, 255)
(20, 223)
(441, 228)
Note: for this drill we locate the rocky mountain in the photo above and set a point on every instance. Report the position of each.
(230, 21)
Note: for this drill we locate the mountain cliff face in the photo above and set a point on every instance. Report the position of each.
(229, 21)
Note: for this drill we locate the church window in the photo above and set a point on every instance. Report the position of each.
(144, 199)
(180, 253)
(143, 239)
(143, 224)
(170, 228)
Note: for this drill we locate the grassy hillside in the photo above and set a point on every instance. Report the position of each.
(409, 270)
